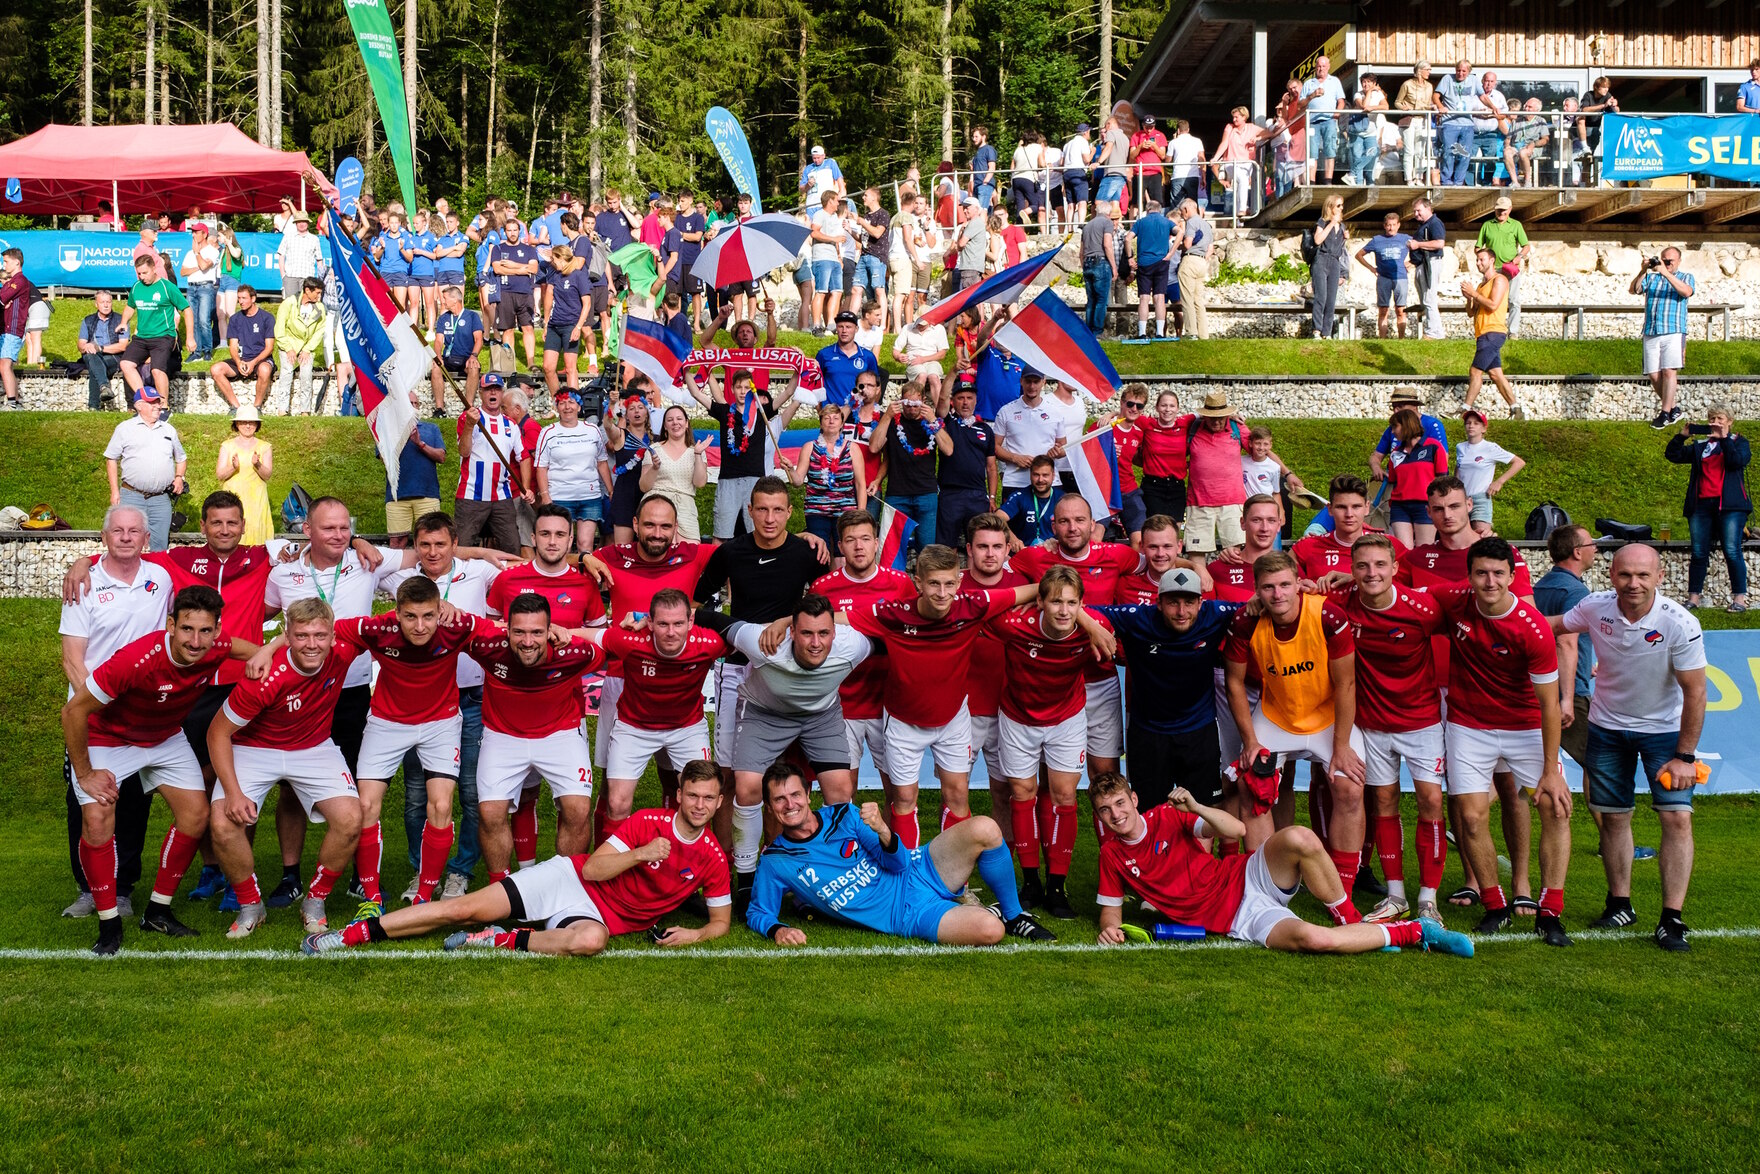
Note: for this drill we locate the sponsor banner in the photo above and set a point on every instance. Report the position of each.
(1725, 145)
(105, 260)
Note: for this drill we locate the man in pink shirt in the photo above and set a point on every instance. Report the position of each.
(1216, 486)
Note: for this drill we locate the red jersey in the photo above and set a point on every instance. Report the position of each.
(573, 595)
(662, 692)
(533, 702)
(929, 659)
(1126, 440)
(635, 581)
(1396, 674)
(1143, 589)
(1163, 452)
(1322, 554)
(240, 578)
(1495, 662)
(1044, 677)
(862, 691)
(289, 709)
(146, 694)
(1434, 565)
(984, 668)
(1102, 566)
(1233, 581)
(417, 683)
(638, 897)
(1170, 869)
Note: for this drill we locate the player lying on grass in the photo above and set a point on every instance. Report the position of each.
(1159, 856)
(852, 867)
(646, 869)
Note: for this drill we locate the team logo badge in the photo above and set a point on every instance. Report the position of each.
(152, 586)
(1499, 647)
(564, 597)
(1606, 628)
(687, 873)
(1160, 847)
(329, 682)
(1653, 637)
(849, 849)
(70, 258)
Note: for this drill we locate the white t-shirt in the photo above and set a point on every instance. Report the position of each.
(870, 337)
(1264, 476)
(1476, 464)
(112, 613)
(195, 275)
(1183, 155)
(465, 587)
(572, 456)
(1078, 153)
(1075, 420)
(914, 346)
(1030, 430)
(347, 587)
(1635, 663)
(1492, 101)
(829, 222)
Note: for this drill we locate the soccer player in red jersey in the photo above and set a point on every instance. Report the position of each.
(859, 583)
(1399, 711)
(126, 718)
(661, 706)
(1232, 570)
(654, 862)
(1045, 659)
(1320, 555)
(1162, 552)
(1305, 658)
(1503, 714)
(1161, 856)
(276, 729)
(532, 729)
(987, 569)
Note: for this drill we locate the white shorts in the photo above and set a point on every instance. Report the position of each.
(1064, 746)
(1664, 352)
(384, 744)
(728, 679)
(1423, 751)
(553, 893)
(1315, 747)
(169, 764)
(316, 773)
(632, 749)
(609, 692)
(1263, 905)
(906, 744)
(987, 739)
(869, 732)
(1105, 714)
(507, 765)
(1475, 755)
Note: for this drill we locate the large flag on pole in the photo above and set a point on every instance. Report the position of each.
(653, 350)
(378, 45)
(1004, 288)
(1048, 337)
(388, 358)
(1094, 461)
(736, 154)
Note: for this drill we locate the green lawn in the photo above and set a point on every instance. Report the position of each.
(1611, 1055)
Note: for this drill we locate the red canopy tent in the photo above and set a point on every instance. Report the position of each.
(66, 170)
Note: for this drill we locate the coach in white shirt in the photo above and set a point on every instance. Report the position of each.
(1646, 713)
(127, 600)
(1028, 427)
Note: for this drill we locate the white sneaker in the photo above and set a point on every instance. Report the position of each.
(313, 914)
(410, 890)
(83, 906)
(456, 886)
(248, 919)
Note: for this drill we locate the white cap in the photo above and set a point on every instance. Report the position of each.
(817, 149)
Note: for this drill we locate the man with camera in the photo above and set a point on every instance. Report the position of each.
(1666, 290)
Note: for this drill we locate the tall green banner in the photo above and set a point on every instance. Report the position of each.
(378, 43)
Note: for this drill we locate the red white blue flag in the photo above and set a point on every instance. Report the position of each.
(896, 529)
(1094, 461)
(1048, 337)
(653, 350)
(389, 360)
(1003, 289)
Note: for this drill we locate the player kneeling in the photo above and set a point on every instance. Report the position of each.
(852, 867)
(1158, 855)
(646, 870)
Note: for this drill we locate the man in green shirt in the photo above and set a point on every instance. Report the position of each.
(1508, 241)
(151, 313)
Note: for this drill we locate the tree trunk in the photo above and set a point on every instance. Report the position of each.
(494, 85)
(800, 85)
(264, 113)
(87, 92)
(631, 32)
(151, 76)
(164, 95)
(532, 151)
(595, 102)
(275, 75)
(410, 72)
(464, 128)
(947, 79)
(1105, 57)
(208, 83)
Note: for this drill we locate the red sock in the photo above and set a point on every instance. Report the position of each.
(99, 864)
(1065, 822)
(366, 863)
(355, 934)
(1344, 913)
(1552, 901)
(174, 857)
(1432, 852)
(525, 828)
(248, 892)
(1024, 819)
(1390, 845)
(512, 939)
(1227, 848)
(949, 819)
(497, 875)
(323, 880)
(1347, 864)
(436, 847)
(905, 827)
(1403, 933)
(1042, 806)
(1320, 808)
(1492, 896)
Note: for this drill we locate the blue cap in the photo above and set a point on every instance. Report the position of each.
(1027, 369)
(491, 379)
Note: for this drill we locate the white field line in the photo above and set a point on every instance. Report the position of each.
(772, 953)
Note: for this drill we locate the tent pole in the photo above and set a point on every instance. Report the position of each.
(116, 218)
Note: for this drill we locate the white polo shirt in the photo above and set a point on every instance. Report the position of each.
(1075, 420)
(466, 587)
(146, 455)
(112, 613)
(1029, 430)
(348, 588)
(1635, 688)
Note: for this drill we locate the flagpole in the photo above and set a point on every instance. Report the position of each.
(496, 448)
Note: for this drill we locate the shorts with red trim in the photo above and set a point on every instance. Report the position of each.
(507, 765)
(384, 744)
(316, 774)
(169, 764)
(1423, 751)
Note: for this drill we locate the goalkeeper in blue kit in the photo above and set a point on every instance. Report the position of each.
(849, 865)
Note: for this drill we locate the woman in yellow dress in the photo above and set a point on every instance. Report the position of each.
(244, 467)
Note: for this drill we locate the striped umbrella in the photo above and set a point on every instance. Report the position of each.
(750, 250)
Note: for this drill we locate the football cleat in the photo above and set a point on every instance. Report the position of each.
(1672, 936)
(482, 939)
(1614, 918)
(1390, 908)
(208, 884)
(1550, 930)
(1428, 909)
(109, 937)
(456, 886)
(1439, 939)
(248, 919)
(1494, 920)
(410, 890)
(228, 901)
(1026, 927)
(313, 914)
(1057, 903)
(285, 894)
(159, 919)
(322, 943)
(1032, 892)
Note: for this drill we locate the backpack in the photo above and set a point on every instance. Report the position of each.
(295, 507)
(1543, 519)
(1310, 250)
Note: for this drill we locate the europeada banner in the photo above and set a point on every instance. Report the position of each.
(105, 260)
(736, 154)
(1726, 145)
(378, 45)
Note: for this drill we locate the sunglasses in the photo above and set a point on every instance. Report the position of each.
(1136, 404)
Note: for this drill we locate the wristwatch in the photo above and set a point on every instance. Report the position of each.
(1685, 757)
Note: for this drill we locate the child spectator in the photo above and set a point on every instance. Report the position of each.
(1263, 471)
(1417, 459)
(1476, 461)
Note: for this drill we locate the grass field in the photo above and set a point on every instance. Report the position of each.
(860, 1052)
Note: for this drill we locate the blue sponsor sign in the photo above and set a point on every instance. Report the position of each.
(105, 260)
(730, 142)
(1726, 145)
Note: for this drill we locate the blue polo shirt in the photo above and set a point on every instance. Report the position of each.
(612, 228)
(967, 467)
(689, 251)
(841, 370)
(998, 381)
(423, 266)
(418, 475)
(452, 267)
(1028, 516)
(567, 293)
(490, 240)
(1390, 253)
(520, 254)
(1154, 234)
(1172, 682)
(393, 243)
(1433, 428)
(458, 330)
(1556, 592)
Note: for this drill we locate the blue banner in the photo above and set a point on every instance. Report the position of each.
(724, 130)
(1726, 145)
(349, 175)
(105, 260)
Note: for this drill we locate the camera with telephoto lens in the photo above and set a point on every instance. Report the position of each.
(1653, 263)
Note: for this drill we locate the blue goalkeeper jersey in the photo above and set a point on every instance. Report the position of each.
(842, 872)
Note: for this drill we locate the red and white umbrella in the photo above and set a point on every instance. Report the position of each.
(750, 250)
